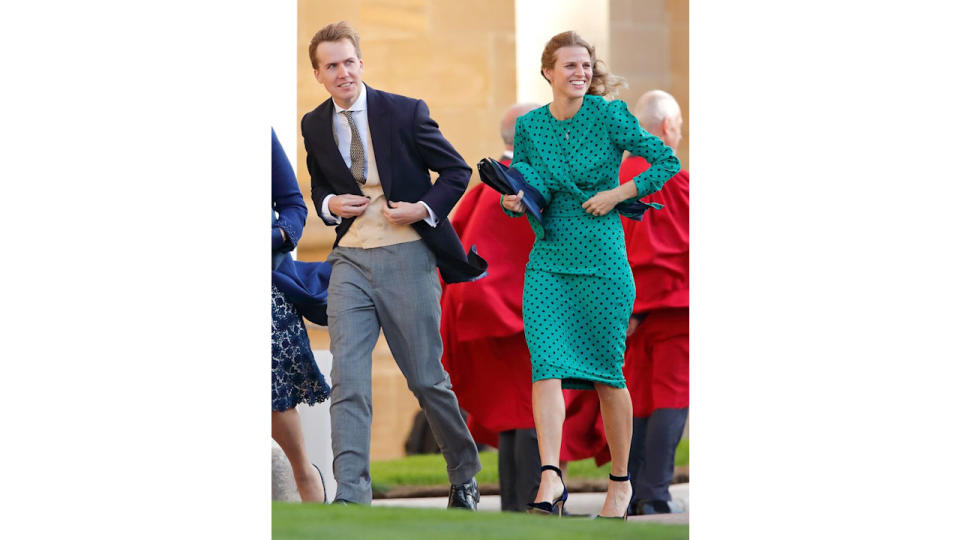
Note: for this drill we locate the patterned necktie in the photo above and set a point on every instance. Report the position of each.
(356, 150)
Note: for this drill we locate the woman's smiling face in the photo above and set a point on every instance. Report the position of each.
(571, 73)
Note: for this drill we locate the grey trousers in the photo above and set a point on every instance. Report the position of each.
(395, 288)
(652, 451)
(518, 458)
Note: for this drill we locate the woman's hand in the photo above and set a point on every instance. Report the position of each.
(603, 202)
(514, 203)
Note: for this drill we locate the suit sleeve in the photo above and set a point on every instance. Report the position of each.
(439, 155)
(287, 200)
(319, 187)
(626, 133)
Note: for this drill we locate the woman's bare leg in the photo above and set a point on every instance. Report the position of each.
(285, 429)
(549, 411)
(617, 411)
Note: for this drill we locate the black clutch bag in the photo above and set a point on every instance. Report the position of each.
(509, 181)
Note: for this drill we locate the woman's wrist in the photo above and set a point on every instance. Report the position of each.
(622, 193)
(626, 191)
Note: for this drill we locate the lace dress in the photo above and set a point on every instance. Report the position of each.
(296, 376)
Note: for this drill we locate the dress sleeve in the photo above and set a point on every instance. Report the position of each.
(521, 162)
(290, 210)
(626, 133)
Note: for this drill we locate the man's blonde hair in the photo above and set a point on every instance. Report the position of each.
(333, 32)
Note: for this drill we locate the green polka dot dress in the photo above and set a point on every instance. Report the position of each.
(578, 288)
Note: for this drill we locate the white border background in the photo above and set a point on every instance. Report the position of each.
(824, 351)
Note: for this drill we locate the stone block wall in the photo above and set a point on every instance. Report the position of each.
(649, 46)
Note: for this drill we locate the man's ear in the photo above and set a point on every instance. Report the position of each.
(316, 75)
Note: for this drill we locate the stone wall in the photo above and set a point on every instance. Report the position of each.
(649, 46)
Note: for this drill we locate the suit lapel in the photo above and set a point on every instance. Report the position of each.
(381, 129)
(343, 178)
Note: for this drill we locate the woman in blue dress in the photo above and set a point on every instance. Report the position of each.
(296, 377)
(578, 287)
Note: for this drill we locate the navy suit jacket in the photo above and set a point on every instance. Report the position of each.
(407, 142)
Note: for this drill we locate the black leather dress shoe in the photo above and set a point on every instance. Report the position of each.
(646, 508)
(464, 495)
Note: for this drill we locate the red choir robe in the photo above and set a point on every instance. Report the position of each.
(658, 249)
(481, 323)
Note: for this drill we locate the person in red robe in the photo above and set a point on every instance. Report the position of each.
(481, 324)
(656, 361)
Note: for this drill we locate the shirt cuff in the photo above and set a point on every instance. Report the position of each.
(325, 210)
(431, 219)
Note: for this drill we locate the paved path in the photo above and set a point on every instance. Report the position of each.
(578, 503)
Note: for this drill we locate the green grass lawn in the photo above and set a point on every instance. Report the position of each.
(301, 521)
(430, 469)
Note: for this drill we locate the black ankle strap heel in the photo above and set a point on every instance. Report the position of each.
(546, 507)
(621, 479)
(552, 468)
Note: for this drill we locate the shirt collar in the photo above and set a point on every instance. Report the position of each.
(359, 105)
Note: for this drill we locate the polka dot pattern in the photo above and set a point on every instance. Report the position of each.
(578, 287)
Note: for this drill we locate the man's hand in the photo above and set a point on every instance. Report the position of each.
(602, 202)
(632, 326)
(404, 213)
(348, 205)
(514, 203)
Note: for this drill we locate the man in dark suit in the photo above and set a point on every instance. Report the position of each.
(368, 153)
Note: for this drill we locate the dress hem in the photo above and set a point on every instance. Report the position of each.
(584, 383)
(281, 405)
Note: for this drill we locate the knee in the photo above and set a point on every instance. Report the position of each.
(422, 387)
(341, 391)
(605, 391)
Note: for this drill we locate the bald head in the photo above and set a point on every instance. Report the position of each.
(509, 121)
(659, 113)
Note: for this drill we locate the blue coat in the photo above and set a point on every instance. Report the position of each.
(303, 283)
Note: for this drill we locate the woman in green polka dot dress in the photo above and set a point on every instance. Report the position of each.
(578, 287)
